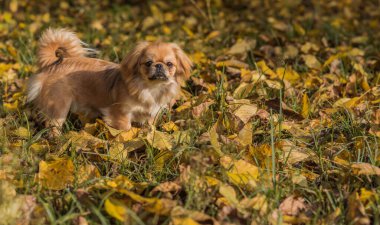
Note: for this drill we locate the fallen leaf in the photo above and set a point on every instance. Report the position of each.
(288, 74)
(245, 135)
(241, 47)
(116, 209)
(246, 112)
(229, 193)
(239, 171)
(125, 136)
(232, 63)
(355, 211)
(311, 61)
(170, 126)
(57, 174)
(365, 169)
(160, 140)
(292, 205)
(305, 106)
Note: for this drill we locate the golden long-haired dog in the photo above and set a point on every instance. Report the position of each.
(135, 90)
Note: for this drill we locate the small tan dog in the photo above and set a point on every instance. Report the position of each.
(135, 90)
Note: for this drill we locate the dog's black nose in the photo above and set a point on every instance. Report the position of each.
(159, 66)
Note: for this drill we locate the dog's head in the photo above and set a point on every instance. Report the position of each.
(157, 62)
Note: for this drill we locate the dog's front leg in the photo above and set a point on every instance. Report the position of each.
(119, 121)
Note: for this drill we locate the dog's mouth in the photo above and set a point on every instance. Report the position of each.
(159, 76)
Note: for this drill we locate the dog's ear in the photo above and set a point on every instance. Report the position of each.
(130, 63)
(184, 65)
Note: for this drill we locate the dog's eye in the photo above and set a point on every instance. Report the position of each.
(169, 64)
(149, 63)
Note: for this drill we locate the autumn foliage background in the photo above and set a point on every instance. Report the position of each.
(279, 123)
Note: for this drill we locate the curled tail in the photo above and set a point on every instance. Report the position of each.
(56, 44)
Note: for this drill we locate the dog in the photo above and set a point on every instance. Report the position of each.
(135, 90)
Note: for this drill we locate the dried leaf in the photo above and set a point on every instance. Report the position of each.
(305, 106)
(365, 169)
(292, 205)
(239, 172)
(57, 174)
(160, 140)
(246, 112)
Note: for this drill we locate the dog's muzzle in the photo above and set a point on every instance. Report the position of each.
(159, 74)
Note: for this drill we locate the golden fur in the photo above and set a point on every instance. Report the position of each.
(135, 90)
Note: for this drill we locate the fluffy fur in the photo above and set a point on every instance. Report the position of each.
(135, 90)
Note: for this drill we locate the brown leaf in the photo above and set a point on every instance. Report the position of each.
(365, 169)
(356, 212)
(246, 112)
(292, 205)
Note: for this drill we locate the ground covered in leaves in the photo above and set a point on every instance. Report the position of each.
(279, 123)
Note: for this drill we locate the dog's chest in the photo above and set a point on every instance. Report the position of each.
(149, 103)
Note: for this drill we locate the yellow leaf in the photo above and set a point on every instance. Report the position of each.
(364, 84)
(352, 102)
(232, 63)
(161, 159)
(291, 153)
(212, 35)
(246, 112)
(13, 5)
(333, 58)
(243, 90)
(11, 106)
(22, 132)
(305, 106)
(214, 139)
(239, 172)
(199, 57)
(57, 174)
(170, 126)
(311, 61)
(242, 46)
(122, 182)
(125, 136)
(116, 209)
(229, 193)
(188, 31)
(150, 38)
(117, 152)
(184, 221)
(291, 51)
(148, 22)
(39, 148)
(265, 69)
(166, 30)
(154, 205)
(211, 181)
(160, 140)
(288, 74)
(87, 172)
(245, 135)
(299, 29)
(97, 25)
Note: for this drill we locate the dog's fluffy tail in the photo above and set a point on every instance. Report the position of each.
(56, 44)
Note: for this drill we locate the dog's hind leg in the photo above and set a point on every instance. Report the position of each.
(56, 111)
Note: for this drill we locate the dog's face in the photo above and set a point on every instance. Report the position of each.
(157, 62)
